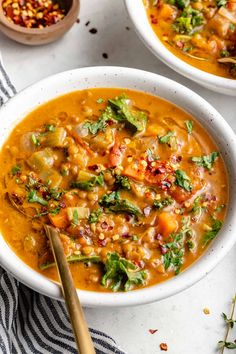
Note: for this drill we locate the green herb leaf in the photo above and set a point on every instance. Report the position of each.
(182, 180)
(55, 211)
(165, 139)
(35, 140)
(221, 3)
(229, 321)
(188, 21)
(134, 119)
(174, 257)
(206, 161)
(113, 203)
(100, 125)
(100, 100)
(228, 345)
(162, 203)
(50, 127)
(232, 27)
(121, 274)
(15, 170)
(215, 228)
(122, 182)
(94, 216)
(34, 198)
(189, 125)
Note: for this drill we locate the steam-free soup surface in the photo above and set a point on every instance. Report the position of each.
(200, 32)
(135, 185)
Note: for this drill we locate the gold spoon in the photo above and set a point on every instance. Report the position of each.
(78, 321)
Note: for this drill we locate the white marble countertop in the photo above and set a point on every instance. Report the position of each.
(180, 319)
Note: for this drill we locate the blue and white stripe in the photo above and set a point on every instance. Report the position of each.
(31, 323)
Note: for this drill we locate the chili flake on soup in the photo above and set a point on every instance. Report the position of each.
(200, 32)
(135, 185)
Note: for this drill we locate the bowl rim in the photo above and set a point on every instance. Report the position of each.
(151, 40)
(74, 8)
(142, 81)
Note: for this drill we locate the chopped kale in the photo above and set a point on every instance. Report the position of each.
(182, 180)
(121, 274)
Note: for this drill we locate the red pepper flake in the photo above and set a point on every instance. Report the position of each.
(163, 249)
(154, 21)
(33, 13)
(93, 30)
(152, 331)
(164, 347)
(78, 20)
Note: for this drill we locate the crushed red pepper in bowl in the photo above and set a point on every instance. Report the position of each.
(33, 13)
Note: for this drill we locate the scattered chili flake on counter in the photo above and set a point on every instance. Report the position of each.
(33, 13)
(152, 331)
(164, 347)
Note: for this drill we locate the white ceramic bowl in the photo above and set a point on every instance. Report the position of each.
(143, 28)
(24, 102)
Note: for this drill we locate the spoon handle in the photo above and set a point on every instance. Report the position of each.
(78, 322)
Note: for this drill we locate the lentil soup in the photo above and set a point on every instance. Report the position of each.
(135, 185)
(202, 33)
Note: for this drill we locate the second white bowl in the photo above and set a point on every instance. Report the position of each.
(137, 13)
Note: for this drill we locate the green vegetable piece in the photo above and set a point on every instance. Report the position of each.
(113, 203)
(136, 120)
(15, 170)
(122, 182)
(232, 27)
(121, 274)
(90, 184)
(94, 216)
(206, 161)
(55, 211)
(215, 228)
(189, 125)
(100, 100)
(34, 198)
(41, 160)
(182, 180)
(72, 259)
(162, 203)
(165, 139)
(55, 138)
(229, 321)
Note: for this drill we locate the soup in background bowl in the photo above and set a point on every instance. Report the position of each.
(202, 33)
(136, 185)
(183, 39)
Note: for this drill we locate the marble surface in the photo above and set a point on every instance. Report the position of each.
(180, 320)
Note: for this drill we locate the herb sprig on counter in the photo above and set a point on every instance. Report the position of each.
(230, 324)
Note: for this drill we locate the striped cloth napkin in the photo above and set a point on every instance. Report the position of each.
(31, 323)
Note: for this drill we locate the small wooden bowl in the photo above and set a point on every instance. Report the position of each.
(35, 36)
